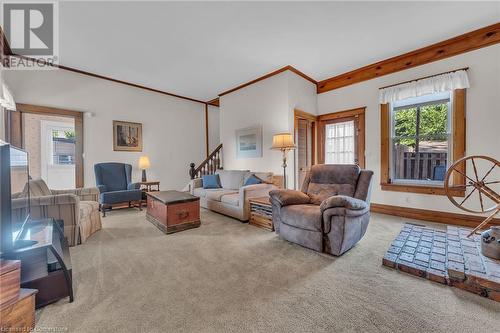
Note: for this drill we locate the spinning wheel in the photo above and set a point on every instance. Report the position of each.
(481, 186)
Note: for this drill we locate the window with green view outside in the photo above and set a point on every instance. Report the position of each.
(420, 140)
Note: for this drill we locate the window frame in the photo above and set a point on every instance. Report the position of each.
(457, 151)
(449, 125)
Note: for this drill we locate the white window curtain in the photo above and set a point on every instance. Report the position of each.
(431, 85)
(6, 98)
(339, 145)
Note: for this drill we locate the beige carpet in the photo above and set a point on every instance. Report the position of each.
(227, 276)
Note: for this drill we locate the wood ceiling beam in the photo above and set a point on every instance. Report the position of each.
(467, 42)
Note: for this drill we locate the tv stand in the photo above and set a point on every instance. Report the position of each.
(46, 262)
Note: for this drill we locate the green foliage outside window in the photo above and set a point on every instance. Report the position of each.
(70, 134)
(432, 125)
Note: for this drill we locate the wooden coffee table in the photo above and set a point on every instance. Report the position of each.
(173, 211)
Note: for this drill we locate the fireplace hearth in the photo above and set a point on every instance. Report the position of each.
(447, 257)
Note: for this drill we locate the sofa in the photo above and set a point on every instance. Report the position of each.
(330, 213)
(114, 181)
(78, 208)
(232, 198)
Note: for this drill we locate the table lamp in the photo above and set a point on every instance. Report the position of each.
(144, 164)
(283, 142)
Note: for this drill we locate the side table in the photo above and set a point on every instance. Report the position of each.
(261, 213)
(150, 186)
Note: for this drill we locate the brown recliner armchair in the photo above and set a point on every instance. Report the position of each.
(331, 212)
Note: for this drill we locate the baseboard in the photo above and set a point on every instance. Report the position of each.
(430, 215)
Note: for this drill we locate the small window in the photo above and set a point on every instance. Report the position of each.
(63, 146)
(420, 142)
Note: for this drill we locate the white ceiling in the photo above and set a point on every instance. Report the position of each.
(202, 49)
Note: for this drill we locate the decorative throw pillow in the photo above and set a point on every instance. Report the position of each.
(210, 181)
(252, 180)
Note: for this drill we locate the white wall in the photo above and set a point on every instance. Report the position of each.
(173, 128)
(268, 103)
(482, 113)
(213, 128)
(301, 94)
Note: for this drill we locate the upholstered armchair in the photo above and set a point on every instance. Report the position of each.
(331, 212)
(78, 208)
(114, 181)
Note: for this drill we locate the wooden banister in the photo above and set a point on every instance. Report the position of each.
(208, 166)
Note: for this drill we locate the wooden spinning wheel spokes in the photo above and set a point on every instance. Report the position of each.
(489, 198)
(478, 183)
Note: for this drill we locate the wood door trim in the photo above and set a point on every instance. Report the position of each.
(467, 42)
(352, 114)
(299, 114)
(342, 114)
(78, 118)
(29, 108)
(313, 120)
(304, 115)
(430, 215)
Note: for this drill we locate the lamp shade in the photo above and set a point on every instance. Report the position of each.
(283, 141)
(144, 163)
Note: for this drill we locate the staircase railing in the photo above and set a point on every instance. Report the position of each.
(208, 166)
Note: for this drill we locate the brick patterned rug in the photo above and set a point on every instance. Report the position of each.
(447, 257)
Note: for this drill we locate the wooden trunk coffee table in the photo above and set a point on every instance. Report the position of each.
(173, 211)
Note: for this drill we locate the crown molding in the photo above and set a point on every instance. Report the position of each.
(7, 51)
(276, 72)
(214, 102)
(467, 42)
(98, 76)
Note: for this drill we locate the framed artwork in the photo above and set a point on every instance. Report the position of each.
(249, 142)
(127, 136)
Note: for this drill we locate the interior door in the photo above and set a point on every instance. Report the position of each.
(342, 138)
(305, 127)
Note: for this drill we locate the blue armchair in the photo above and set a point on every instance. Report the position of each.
(114, 181)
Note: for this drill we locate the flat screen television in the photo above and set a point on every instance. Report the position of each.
(14, 208)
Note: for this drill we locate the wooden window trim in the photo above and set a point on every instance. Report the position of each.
(458, 150)
(78, 118)
(359, 114)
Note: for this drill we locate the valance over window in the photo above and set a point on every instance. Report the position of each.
(434, 84)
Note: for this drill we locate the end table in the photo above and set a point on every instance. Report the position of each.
(261, 213)
(148, 186)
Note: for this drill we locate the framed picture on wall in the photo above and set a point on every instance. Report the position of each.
(249, 142)
(127, 136)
